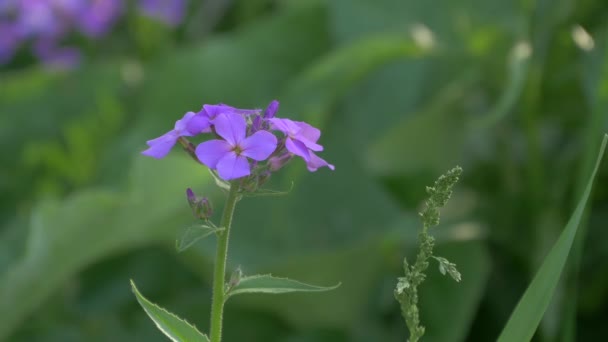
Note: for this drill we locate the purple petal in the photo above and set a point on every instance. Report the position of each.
(271, 110)
(198, 124)
(259, 146)
(190, 196)
(161, 146)
(99, 17)
(231, 127)
(298, 148)
(309, 136)
(232, 166)
(170, 12)
(316, 162)
(210, 152)
(9, 41)
(180, 125)
(285, 125)
(214, 110)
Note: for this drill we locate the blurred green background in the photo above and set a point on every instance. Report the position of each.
(516, 92)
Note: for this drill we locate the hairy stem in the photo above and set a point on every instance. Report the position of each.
(219, 273)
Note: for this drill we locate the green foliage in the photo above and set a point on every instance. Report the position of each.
(531, 308)
(81, 212)
(173, 327)
(194, 233)
(266, 283)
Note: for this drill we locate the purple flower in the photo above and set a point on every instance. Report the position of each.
(229, 156)
(55, 57)
(187, 126)
(208, 113)
(170, 12)
(38, 18)
(269, 112)
(9, 42)
(301, 140)
(98, 16)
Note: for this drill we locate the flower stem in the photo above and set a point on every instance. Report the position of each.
(219, 273)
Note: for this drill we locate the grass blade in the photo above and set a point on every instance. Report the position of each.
(533, 304)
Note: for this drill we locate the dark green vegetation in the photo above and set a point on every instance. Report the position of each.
(81, 212)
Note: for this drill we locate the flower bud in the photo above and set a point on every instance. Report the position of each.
(278, 162)
(201, 207)
(271, 110)
(191, 197)
(204, 210)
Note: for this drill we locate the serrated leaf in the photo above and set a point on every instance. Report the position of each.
(193, 234)
(533, 304)
(268, 192)
(173, 327)
(266, 283)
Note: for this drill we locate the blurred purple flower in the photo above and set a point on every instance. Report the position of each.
(185, 127)
(9, 42)
(36, 18)
(97, 16)
(229, 156)
(170, 12)
(301, 140)
(56, 57)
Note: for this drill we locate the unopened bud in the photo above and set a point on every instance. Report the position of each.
(276, 163)
(204, 210)
(191, 197)
(201, 207)
(271, 110)
(235, 277)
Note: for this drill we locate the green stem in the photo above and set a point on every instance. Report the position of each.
(219, 273)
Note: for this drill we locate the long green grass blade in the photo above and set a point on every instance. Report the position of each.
(533, 304)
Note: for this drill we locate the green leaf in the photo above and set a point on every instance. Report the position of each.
(266, 283)
(172, 326)
(268, 192)
(194, 233)
(531, 307)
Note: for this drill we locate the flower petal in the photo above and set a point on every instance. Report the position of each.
(309, 136)
(232, 166)
(259, 145)
(298, 148)
(160, 147)
(285, 125)
(316, 162)
(181, 124)
(214, 110)
(231, 127)
(198, 124)
(210, 152)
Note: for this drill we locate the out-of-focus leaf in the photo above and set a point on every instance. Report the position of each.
(316, 90)
(65, 236)
(175, 328)
(519, 61)
(531, 308)
(246, 69)
(439, 130)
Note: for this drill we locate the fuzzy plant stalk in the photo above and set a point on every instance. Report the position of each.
(406, 291)
(242, 148)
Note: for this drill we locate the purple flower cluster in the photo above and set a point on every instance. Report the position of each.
(244, 139)
(46, 23)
